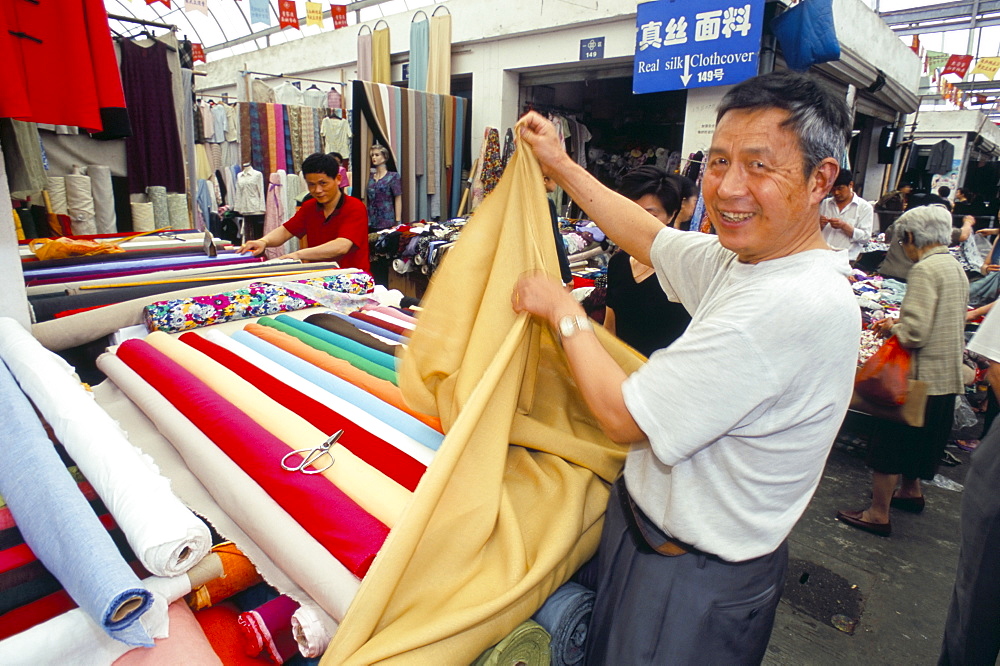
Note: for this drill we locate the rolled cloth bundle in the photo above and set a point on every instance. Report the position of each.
(312, 629)
(56, 186)
(566, 616)
(142, 216)
(177, 208)
(80, 205)
(528, 644)
(256, 300)
(237, 574)
(268, 629)
(128, 482)
(103, 193)
(59, 526)
(161, 211)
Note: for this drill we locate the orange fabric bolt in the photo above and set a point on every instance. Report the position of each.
(239, 575)
(379, 388)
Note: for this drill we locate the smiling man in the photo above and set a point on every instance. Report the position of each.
(693, 554)
(334, 224)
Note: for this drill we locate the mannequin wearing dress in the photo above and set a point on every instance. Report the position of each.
(385, 190)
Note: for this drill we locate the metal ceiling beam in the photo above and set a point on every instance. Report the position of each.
(963, 15)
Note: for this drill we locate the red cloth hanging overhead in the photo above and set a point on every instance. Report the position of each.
(59, 65)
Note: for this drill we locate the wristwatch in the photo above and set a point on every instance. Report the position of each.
(570, 325)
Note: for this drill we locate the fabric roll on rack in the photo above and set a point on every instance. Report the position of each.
(380, 358)
(372, 490)
(161, 210)
(80, 204)
(129, 484)
(566, 616)
(72, 638)
(312, 629)
(59, 526)
(528, 644)
(381, 321)
(369, 447)
(363, 364)
(177, 211)
(349, 533)
(142, 216)
(220, 489)
(102, 190)
(344, 380)
(56, 187)
(267, 629)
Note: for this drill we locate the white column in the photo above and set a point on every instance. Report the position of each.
(13, 299)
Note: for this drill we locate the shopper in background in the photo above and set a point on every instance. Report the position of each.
(931, 325)
(693, 553)
(334, 224)
(897, 262)
(846, 218)
(971, 633)
(637, 310)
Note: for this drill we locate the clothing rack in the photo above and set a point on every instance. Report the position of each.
(289, 76)
(152, 24)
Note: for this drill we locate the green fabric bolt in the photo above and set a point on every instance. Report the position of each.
(358, 362)
(381, 358)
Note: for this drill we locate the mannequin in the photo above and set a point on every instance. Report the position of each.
(384, 194)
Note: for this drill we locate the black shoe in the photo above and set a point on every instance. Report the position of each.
(908, 504)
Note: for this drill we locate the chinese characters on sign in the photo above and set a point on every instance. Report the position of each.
(339, 15)
(692, 43)
(197, 53)
(287, 14)
(592, 49)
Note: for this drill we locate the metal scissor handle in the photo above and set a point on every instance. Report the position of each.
(311, 456)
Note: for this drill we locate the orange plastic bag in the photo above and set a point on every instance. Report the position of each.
(62, 247)
(883, 379)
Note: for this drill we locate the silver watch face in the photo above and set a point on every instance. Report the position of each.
(568, 326)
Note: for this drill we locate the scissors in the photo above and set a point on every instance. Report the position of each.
(311, 456)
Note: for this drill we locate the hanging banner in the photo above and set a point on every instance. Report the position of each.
(683, 44)
(197, 53)
(196, 6)
(915, 44)
(166, 2)
(957, 64)
(934, 60)
(339, 15)
(987, 67)
(287, 14)
(260, 12)
(314, 13)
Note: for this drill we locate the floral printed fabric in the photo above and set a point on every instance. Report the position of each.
(257, 300)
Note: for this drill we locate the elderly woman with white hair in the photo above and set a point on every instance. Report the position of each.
(930, 325)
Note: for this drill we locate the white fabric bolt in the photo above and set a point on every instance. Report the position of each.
(57, 194)
(104, 198)
(80, 205)
(142, 216)
(163, 533)
(313, 630)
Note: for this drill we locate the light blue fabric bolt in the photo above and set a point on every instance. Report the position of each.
(60, 527)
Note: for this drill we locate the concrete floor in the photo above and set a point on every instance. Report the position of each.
(903, 582)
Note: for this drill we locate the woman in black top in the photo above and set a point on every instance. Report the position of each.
(638, 311)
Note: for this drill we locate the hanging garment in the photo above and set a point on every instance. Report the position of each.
(381, 67)
(59, 66)
(314, 97)
(365, 56)
(439, 58)
(513, 503)
(153, 151)
(382, 193)
(287, 93)
(941, 157)
(419, 53)
(22, 152)
(249, 198)
(274, 213)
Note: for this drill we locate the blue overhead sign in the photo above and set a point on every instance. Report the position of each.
(684, 44)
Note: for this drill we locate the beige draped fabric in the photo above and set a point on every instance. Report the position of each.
(514, 501)
(439, 57)
(381, 68)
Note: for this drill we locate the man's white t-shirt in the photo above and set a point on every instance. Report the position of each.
(986, 341)
(859, 214)
(741, 410)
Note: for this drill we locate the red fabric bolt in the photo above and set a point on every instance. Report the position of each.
(341, 526)
(268, 629)
(220, 625)
(28, 615)
(373, 450)
(381, 323)
(393, 312)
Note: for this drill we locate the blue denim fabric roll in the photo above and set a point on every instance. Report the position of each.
(59, 525)
(381, 358)
(342, 388)
(566, 616)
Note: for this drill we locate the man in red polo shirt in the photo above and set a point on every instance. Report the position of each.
(335, 224)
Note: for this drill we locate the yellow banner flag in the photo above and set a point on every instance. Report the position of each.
(314, 13)
(987, 66)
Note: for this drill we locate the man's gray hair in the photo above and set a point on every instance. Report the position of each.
(820, 120)
(928, 225)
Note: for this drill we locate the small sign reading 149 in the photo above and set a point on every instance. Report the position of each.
(592, 48)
